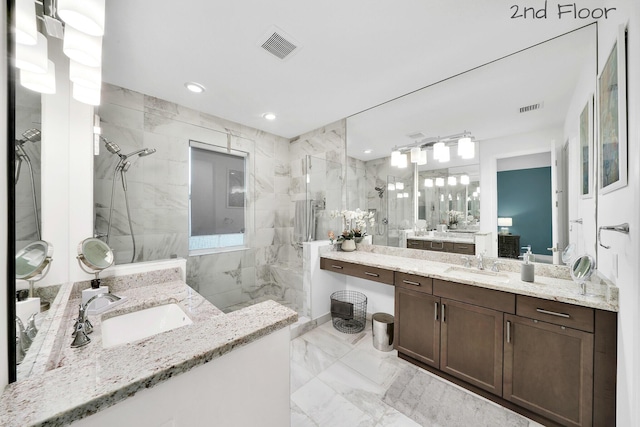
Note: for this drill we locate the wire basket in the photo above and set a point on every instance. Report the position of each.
(348, 311)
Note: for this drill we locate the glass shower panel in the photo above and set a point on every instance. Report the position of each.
(400, 208)
(324, 181)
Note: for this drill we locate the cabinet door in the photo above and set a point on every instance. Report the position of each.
(415, 244)
(472, 344)
(417, 326)
(549, 370)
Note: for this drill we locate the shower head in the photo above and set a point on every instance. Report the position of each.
(112, 147)
(147, 152)
(380, 191)
(125, 166)
(32, 135)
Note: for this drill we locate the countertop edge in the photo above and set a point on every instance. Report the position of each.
(393, 262)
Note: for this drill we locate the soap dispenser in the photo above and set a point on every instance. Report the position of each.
(527, 269)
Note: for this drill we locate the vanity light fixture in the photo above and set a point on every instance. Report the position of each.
(438, 147)
(84, 15)
(40, 82)
(422, 159)
(466, 148)
(33, 57)
(399, 196)
(80, 74)
(399, 185)
(428, 182)
(464, 179)
(26, 24)
(439, 182)
(478, 190)
(269, 116)
(391, 187)
(475, 194)
(82, 47)
(194, 87)
(445, 154)
(405, 195)
(395, 157)
(368, 151)
(452, 180)
(415, 154)
(87, 95)
(403, 161)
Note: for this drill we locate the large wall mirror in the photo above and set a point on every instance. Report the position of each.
(523, 114)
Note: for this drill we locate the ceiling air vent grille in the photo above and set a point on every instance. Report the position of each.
(277, 43)
(531, 107)
(416, 135)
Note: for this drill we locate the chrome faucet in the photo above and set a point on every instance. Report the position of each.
(480, 258)
(467, 261)
(24, 340)
(82, 326)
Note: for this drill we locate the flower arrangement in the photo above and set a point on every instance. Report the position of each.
(354, 224)
(455, 217)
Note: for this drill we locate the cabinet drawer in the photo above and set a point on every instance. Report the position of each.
(413, 282)
(464, 248)
(496, 300)
(415, 244)
(436, 245)
(560, 313)
(358, 270)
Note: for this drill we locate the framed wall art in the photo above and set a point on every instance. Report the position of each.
(586, 150)
(612, 118)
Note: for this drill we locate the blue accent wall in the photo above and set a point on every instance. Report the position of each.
(525, 196)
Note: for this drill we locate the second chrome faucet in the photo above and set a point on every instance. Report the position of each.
(83, 326)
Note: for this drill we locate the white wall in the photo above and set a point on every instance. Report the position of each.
(623, 205)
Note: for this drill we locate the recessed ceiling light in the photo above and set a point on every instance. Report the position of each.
(194, 87)
(368, 151)
(269, 116)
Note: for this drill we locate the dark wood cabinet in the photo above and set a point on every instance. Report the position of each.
(417, 325)
(442, 246)
(508, 245)
(471, 342)
(548, 368)
(551, 361)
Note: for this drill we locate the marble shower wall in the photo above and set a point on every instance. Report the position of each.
(158, 188)
(27, 116)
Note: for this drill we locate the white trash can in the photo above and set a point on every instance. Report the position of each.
(382, 330)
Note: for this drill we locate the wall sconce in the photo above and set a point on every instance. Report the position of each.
(440, 182)
(403, 162)
(505, 223)
(395, 157)
(445, 154)
(464, 179)
(452, 180)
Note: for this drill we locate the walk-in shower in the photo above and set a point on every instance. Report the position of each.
(381, 220)
(121, 168)
(31, 135)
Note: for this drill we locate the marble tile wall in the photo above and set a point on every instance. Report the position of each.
(27, 116)
(158, 188)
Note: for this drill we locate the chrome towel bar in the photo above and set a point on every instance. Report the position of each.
(620, 228)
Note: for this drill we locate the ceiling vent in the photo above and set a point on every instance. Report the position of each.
(278, 43)
(531, 107)
(416, 135)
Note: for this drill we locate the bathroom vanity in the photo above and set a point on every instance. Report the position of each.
(537, 348)
(206, 370)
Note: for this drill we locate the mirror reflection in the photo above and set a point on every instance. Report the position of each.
(522, 113)
(27, 166)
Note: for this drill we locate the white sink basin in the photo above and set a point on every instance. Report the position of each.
(491, 275)
(142, 324)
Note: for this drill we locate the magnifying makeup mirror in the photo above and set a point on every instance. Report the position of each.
(34, 260)
(581, 270)
(94, 255)
(568, 253)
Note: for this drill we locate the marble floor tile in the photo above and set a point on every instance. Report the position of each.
(326, 407)
(340, 379)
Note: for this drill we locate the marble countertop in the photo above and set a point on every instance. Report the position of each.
(73, 383)
(604, 294)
